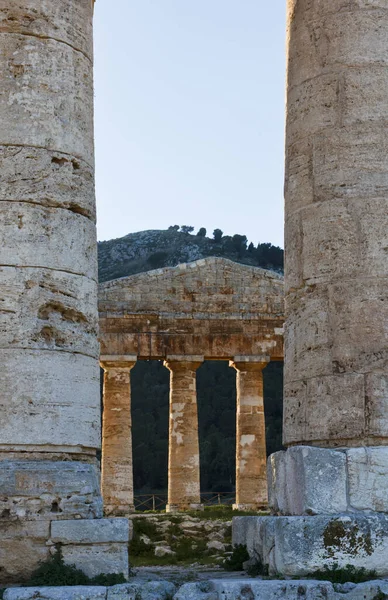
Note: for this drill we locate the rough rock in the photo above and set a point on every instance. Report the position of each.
(163, 551)
(57, 593)
(252, 589)
(298, 546)
(49, 489)
(196, 591)
(307, 480)
(216, 545)
(94, 559)
(92, 531)
(152, 590)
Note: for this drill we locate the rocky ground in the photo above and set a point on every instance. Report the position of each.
(180, 540)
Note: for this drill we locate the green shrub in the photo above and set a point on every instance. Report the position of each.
(337, 574)
(380, 596)
(54, 572)
(235, 561)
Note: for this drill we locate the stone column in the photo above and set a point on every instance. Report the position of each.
(116, 461)
(49, 376)
(183, 454)
(251, 453)
(331, 485)
(336, 209)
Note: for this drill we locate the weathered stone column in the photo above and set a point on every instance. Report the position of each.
(183, 453)
(49, 376)
(116, 463)
(331, 485)
(336, 210)
(251, 453)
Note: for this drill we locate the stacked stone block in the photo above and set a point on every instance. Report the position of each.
(49, 379)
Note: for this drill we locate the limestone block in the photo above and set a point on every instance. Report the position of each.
(308, 481)
(303, 545)
(299, 180)
(56, 400)
(76, 592)
(293, 267)
(273, 590)
(368, 478)
(330, 241)
(308, 339)
(334, 47)
(335, 408)
(22, 543)
(53, 238)
(196, 591)
(294, 412)
(49, 490)
(98, 558)
(312, 106)
(376, 392)
(98, 531)
(152, 590)
(367, 591)
(50, 104)
(47, 178)
(46, 309)
(357, 312)
(65, 21)
(349, 163)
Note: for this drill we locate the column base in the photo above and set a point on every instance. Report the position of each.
(306, 480)
(300, 546)
(174, 508)
(95, 546)
(250, 507)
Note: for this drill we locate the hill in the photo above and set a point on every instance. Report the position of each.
(153, 249)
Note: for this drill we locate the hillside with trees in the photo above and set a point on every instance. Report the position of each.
(148, 250)
(216, 381)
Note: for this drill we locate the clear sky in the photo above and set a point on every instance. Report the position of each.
(190, 116)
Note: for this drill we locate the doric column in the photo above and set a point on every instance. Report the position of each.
(49, 351)
(183, 454)
(116, 462)
(49, 376)
(251, 454)
(336, 210)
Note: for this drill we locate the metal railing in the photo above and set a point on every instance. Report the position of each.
(155, 502)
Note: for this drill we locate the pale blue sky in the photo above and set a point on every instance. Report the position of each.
(190, 116)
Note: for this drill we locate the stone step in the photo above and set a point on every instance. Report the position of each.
(216, 589)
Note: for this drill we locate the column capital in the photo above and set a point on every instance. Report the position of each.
(123, 362)
(249, 363)
(183, 362)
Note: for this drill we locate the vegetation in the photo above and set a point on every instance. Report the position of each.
(237, 559)
(147, 250)
(217, 423)
(380, 596)
(184, 545)
(346, 574)
(54, 572)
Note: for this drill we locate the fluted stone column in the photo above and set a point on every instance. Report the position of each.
(116, 463)
(49, 376)
(336, 209)
(251, 453)
(183, 454)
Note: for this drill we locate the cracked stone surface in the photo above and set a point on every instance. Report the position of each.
(336, 217)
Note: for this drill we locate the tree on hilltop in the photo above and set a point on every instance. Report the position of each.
(217, 235)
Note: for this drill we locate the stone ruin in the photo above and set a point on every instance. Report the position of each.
(49, 380)
(210, 309)
(330, 487)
